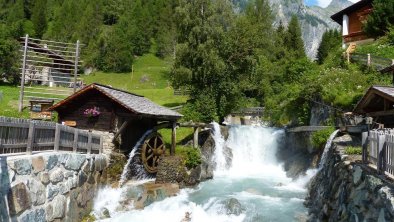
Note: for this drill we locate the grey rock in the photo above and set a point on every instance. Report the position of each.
(37, 192)
(44, 177)
(358, 172)
(75, 161)
(49, 212)
(22, 166)
(18, 199)
(59, 204)
(56, 176)
(233, 206)
(373, 182)
(82, 178)
(72, 182)
(68, 174)
(52, 161)
(52, 191)
(64, 188)
(38, 164)
(34, 215)
(63, 158)
(104, 213)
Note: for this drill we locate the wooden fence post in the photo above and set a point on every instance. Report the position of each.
(30, 138)
(195, 137)
(57, 137)
(364, 142)
(173, 139)
(75, 144)
(89, 148)
(381, 151)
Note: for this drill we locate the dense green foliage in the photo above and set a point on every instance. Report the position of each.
(113, 32)
(190, 155)
(354, 150)
(227, 58)
(319, 138)
(330, 42)
(380, 19)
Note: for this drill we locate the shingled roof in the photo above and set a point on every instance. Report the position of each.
(386, 92)
(133, 102)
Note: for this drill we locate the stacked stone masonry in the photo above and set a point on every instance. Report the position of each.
(347, 190)
(48, 186)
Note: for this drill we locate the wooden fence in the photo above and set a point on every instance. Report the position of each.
(379, 63)
(27, 136)
(378, 149)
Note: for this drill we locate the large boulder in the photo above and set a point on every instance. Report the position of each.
(233, 206)
(37, 192)
(18, 199)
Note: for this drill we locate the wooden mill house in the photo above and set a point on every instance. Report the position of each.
(129, 116)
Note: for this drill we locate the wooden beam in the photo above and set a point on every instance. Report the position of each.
(162, 126)
(381, 113)
(173, 139)
(121, 129)
(191, 124)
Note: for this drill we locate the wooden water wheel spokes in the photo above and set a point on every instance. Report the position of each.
(152, 148)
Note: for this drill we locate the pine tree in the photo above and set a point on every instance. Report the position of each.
(380, 19)
(39, 17)
(294, 41)
(331, 40)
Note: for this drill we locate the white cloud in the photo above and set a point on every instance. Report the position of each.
(325, 3)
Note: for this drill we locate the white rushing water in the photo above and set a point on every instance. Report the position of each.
(327, 148)
(246, 169)
(140, 172)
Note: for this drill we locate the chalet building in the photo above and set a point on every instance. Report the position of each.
(128, 116)
(378, 103)
(351, 20)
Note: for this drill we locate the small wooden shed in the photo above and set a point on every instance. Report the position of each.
(378, 102)
(129, 116)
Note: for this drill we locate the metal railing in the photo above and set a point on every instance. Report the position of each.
(28, 136)
(378, 149)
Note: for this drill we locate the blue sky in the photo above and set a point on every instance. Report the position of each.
(322, 3)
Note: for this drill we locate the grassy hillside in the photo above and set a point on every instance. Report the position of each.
(149, 78)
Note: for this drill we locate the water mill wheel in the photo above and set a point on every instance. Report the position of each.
(151, 150)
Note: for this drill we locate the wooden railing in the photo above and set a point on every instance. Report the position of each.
(28, 136)
(379, 63)
(250, 111)
(378, 149)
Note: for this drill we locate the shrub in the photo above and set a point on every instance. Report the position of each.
(354, 150)
(319, 138)
(191, 156)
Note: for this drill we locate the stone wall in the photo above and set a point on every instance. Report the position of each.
(108, 143)
(347, 190)
(297, 153)
(48, 186)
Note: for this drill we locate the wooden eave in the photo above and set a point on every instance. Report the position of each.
(337, 17)
(367, 98)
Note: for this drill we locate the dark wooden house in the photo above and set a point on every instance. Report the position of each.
(351, 20)
(378, 103)
(127, 115)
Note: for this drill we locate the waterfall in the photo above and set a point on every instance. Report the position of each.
(327, 148)
(219, 157)
(254, 181)
(137, 167)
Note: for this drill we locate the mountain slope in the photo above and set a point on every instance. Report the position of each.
(314, 20)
